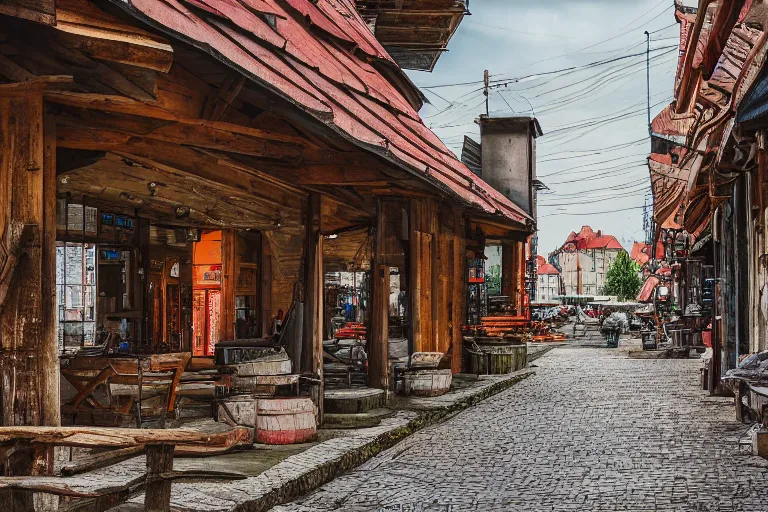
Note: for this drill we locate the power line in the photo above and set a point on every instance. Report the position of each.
(592, 213)
(610, 38)
(513, 30)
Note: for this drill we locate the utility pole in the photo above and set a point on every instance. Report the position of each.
(485, 91)
(648, 75)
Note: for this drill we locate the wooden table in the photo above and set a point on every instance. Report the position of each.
(27, 452)
(87, 373)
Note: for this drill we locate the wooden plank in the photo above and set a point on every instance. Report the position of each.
(98, 35)
(40, 11)
(96, 437)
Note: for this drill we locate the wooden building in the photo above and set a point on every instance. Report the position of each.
(707, 169)
(179, 172)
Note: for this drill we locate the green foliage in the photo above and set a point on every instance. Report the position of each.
(493, 280)
(622, 279)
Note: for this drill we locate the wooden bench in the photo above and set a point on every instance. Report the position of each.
(26, 456)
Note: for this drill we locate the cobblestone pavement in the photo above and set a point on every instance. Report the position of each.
(592, 430)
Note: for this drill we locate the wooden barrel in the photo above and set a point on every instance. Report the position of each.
(285, 420)
(427, 382)
(498, 360)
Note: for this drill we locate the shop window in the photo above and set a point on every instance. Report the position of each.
(76, 294)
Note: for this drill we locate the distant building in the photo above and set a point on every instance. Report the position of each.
(584, 259)
(549, 284)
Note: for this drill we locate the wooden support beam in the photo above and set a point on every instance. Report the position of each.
(423, 217)
(157, 496)
(83, 26)
(378, 340)
(29, 363)
(39, 11)
(265, 287)
(312, 352)
(228, 284)
(219, 103)
(459, 301)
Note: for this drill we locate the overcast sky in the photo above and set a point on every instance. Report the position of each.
(591, 162)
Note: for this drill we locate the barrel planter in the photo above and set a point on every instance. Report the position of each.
(285, 420)
(427, 382)
(497, 359)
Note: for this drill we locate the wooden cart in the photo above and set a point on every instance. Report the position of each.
(137, 378)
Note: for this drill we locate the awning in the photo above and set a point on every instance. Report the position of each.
(646, 293)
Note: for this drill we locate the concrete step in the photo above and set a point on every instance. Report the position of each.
(353, 400)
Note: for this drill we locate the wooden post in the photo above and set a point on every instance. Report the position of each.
(157, 496)
(312, 352)
(265, 286)
(378, 348)
(228, 284)
(29, 366)
(459, 301)
(422, 258)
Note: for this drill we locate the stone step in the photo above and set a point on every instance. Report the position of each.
(361, 420)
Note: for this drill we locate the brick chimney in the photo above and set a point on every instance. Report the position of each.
(509, 157)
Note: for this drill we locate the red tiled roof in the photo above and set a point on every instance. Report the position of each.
(544, 268)
(587, 238)
(322, 57)
(601, 242)
(547, 270)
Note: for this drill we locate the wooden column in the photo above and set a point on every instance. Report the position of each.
(312, 352)
(157, 497)
(228, 284)
(378, 349)
(422, 259)
(459, 300)
(29, 365)
(442, 285)
(265, 286)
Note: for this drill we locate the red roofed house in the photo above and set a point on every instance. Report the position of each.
(549, 284)
(584, 260)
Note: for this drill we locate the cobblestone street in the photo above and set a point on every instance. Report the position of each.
(592, 430)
